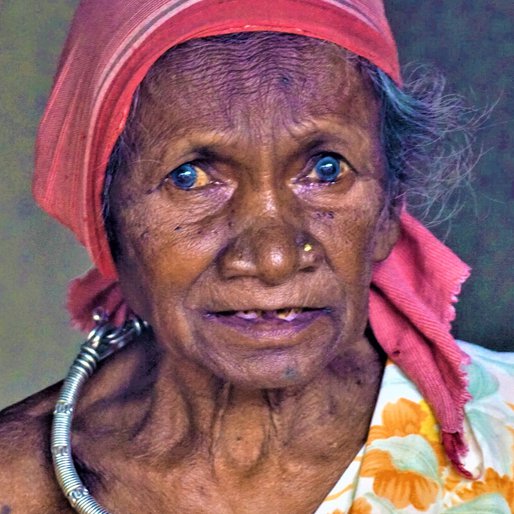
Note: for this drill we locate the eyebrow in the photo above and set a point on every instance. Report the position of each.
(313, 144)
(312, 138)
(213, 153)
(210, 152)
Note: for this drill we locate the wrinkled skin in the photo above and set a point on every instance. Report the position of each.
(215, 414)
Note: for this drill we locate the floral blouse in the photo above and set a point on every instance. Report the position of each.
(402, 468)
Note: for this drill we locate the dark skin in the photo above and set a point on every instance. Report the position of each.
(220, 410)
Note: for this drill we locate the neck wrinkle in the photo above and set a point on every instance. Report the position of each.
(240, 431)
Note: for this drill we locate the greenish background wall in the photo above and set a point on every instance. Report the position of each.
(471, 42)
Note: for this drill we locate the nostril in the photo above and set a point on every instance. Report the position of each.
(235, 261)
(272, 253)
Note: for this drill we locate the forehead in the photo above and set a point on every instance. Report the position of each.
(225, 83)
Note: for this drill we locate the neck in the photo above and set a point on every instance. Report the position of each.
(178, 409)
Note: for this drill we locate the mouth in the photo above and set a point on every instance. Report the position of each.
(287, 314)
(261, 328)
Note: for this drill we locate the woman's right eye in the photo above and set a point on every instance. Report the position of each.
(188, 176)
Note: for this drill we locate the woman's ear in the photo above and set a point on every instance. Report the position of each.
(388, 232)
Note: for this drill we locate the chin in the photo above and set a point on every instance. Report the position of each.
(271, 368)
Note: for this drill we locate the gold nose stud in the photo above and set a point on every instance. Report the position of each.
(307, 247)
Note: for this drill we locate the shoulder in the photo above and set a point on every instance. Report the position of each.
(490, 373)
(486, 354)
(26, 479)
(490, 411)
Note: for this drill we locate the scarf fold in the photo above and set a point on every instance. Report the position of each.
(410, 311)
(111, 46)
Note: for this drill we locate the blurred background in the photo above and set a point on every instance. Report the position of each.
(470, 42)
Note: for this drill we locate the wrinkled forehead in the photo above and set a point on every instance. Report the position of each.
(223, 81)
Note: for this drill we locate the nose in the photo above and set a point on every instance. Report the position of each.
(270, 251)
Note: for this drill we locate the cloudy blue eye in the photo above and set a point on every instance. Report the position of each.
(188, 176)
(326, 169)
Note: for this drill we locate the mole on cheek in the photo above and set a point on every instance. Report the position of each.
(290, 373)
(144, 235)
(328, 215)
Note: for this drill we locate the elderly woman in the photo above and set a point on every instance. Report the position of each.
(237, 171)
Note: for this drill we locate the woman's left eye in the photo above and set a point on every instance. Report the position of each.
(328, 169)
(188, 176)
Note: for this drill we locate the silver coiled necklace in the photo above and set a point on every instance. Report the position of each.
(101, 342)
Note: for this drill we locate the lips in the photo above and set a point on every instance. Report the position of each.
(286, 314)
(262, 328)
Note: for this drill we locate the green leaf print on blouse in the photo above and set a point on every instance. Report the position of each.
(490, 418)
(410, 453)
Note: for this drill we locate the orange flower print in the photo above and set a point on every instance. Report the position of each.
(491, 483)
(399, 419)
(360, 506)
(406, 417)
(453, 479)
(401, 488)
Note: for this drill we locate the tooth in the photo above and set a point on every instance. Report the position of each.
(288, 314)
(248, 314)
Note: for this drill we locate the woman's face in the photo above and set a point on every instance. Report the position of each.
(253, 209)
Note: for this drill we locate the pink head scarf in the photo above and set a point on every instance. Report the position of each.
(111, 46)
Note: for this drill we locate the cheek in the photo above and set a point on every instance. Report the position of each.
(347, 232)
(347, 239)
(163, 254)
(347, 247)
